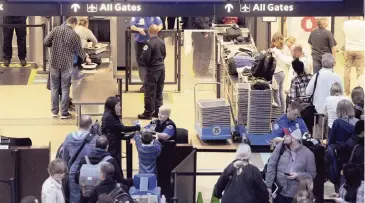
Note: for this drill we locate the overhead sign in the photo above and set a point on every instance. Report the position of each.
(246, 8)
(136, 9)
(229, 7)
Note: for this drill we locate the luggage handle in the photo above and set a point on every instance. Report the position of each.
(202, 83)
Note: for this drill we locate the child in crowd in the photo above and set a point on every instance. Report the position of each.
(148, 150)
(305, 190)
(29, 199)
(104, 198)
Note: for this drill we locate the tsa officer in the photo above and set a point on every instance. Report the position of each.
(141, 25)
(287, 121)
(164, 127)
(153, 57)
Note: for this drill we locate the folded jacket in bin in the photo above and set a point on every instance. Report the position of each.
(145, 184)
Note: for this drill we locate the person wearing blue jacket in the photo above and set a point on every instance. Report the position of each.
(148, 151)
(288, 120)
(141, 26)
(344, 126)
(71, 145)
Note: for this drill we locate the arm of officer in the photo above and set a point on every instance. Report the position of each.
(133, 24)
(271, 166)
(277, 130)
(146, 54)
(168, 132)
(303, 126)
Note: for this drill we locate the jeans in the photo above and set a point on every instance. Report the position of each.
(60, 81)
(279, 96)
(75, 191)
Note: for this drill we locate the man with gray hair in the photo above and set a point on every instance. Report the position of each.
(321, 84)
(76, 145)
(321, 41)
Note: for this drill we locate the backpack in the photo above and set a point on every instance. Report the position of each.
(90, 175)
(264, 66)
(332, 164)
(120, 196)
(233, 32)
(240, 60)
(96, 128)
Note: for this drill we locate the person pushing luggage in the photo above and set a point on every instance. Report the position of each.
(153, 57)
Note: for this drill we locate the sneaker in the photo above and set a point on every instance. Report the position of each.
(54, 115)
(144, 117)
(6, 62)
(23, 62)
(66, 116)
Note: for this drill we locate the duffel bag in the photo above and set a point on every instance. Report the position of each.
(239, 61)
(233, 32)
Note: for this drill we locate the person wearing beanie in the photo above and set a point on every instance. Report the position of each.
(148, 151)
(241, 182)
(295, 162)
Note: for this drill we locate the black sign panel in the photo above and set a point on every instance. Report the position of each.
(29, 10)
(289, 9)
(136, 9)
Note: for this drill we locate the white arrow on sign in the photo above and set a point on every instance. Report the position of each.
(1, 7)
(228, 7)
(75, 7)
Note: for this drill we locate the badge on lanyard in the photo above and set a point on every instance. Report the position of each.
(141, 22)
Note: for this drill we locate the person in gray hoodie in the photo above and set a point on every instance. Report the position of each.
(295, 162)
(71, 145)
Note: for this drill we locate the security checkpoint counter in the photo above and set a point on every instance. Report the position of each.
(93, 87)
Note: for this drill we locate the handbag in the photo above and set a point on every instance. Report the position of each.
(308, 111)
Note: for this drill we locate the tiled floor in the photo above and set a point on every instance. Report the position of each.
(25, 112)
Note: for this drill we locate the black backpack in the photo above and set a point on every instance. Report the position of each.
(264, 66)
(233, 33)
(120, 196)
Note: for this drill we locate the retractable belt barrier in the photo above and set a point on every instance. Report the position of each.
(43, 26)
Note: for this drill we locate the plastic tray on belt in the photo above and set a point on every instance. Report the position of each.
(99, 49)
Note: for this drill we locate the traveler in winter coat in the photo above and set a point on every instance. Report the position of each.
(98, 154)
(241, 182)
(107, 183)
(343, 127)
(71, 145)
(297, 161)
(52, 187)
(114, 129)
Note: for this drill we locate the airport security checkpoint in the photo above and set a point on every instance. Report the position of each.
(159, 95)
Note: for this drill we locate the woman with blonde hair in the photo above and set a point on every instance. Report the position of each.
(283, 61)
(344, 126)
(85, 33)
(331, 102)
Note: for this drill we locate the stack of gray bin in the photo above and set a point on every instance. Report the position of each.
(243, 90)
(259, 108)
(213, 113)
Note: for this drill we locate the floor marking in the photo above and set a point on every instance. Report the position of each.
(32, 75)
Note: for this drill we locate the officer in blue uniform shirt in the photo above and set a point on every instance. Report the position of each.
(164, 127)
(141, 25)
(289, 120)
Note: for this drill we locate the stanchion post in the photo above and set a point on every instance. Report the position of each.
(13, 191)
(178, 60)
(127, 58)
(129, 158)
(44, 68)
